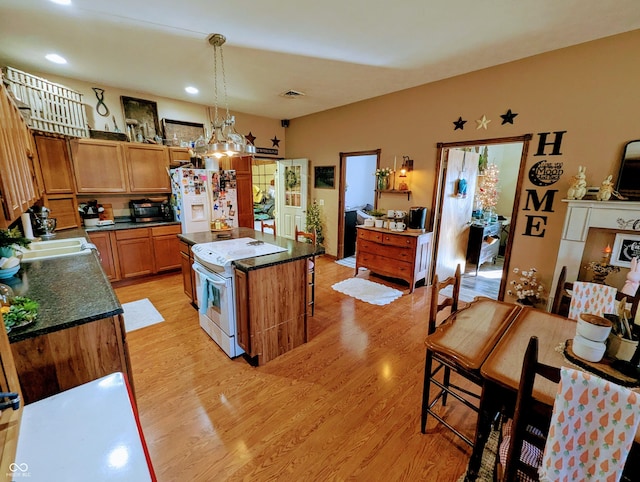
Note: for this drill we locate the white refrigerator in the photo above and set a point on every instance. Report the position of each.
(200, 196)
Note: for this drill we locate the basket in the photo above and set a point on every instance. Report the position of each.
(54, 107)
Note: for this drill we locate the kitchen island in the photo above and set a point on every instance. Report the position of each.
(79, 333)
(271, 292)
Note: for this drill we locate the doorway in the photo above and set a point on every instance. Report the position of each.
(479, 220)
(356, 190)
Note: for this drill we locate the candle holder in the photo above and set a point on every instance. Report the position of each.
(601, 270)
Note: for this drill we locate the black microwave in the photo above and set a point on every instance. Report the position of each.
(146, 211)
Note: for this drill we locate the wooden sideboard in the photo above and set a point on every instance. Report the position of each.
(404, 255)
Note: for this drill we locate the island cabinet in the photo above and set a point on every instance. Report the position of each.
(51, 363)
(403, 255)
(188, 274)
(272, 315)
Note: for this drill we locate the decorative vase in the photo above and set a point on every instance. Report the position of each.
(383, 183)
(6, 252)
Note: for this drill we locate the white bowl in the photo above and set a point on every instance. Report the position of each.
(592, 327)
(592, 351)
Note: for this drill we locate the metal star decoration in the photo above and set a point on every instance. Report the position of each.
(459, 124)
(482, 122)
(508, 117)
(276, 142)
(250, 137)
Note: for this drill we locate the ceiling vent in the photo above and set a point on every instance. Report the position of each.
(292, 94)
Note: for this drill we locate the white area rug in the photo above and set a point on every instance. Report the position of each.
(349, 262)
(367, 291)
(139, 314)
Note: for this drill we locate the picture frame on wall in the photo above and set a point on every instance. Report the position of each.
(184, 132)
(625, 247)
(324, 177)
(145, 112)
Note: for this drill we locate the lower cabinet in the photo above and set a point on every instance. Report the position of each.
(268, 326)
(188, 275)
(403, 255)
(70, 357)
(130, 253)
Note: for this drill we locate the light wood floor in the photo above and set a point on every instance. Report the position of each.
(345, 406)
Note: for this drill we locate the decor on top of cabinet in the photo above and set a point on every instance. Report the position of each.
(145, 112)
(578, 187)
(526, 288)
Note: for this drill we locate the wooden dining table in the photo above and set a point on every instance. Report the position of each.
(502, 368)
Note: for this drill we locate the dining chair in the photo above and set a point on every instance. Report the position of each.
(436, 362)
(309, 237)
(526, 433)
(269, 225)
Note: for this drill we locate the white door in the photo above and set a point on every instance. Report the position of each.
(292, 190)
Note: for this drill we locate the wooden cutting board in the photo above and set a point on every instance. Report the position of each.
(107, 214)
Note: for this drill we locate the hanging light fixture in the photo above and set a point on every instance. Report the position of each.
(224, 141)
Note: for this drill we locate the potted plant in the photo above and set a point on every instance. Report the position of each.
(10, 241)
(314, 222)
(376, 213)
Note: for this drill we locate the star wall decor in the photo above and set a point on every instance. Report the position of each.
(276, 141)
(508, 117)
(459, 124)
(250, 137)
(482, 122)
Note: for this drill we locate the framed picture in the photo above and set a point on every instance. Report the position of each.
(145, 112)
(625, 247)
(324, 177)
(183, 131)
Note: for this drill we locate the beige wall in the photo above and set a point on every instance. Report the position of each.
(589, 90)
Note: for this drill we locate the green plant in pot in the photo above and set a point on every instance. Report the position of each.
(314, 222)
(10, 241)
(376, 213)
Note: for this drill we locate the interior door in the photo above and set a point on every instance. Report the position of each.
(455, 211)
(292, 191)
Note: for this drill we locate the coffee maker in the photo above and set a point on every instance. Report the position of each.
(417, 218)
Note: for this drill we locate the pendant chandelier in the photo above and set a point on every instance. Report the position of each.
(224, 141)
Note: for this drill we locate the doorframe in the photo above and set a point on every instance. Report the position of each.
(437, 200)
(341, 183)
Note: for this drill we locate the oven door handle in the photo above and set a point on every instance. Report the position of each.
(209, 276)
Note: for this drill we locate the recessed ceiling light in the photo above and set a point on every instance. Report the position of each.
(56, 59)
(62, 2)
(191, 90)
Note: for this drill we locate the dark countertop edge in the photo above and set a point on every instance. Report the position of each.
(16, 336)
(119, 225)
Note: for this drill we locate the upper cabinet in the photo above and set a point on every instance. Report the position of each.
(119, 167)
(147, 166)
(18, 183)
(55, 164)
(98, 166)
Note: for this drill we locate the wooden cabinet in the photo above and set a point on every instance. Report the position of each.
(70, 357)
(403, 255)
(55, 164)
(178, 156)
(244, 183)
(105, 250)
(135, 252)
(268, 326)
(9, 419)
(188, 275)
(19, 186)
(484, 244)
(166, 247)
(99, 166)
(147, 168)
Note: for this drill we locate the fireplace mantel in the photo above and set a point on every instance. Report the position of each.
(580, 217)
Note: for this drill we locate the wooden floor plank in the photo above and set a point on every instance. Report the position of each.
(346, 405)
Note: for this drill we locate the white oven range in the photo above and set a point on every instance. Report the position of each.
(215, 286)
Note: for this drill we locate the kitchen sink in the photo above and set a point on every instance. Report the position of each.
(56, 248)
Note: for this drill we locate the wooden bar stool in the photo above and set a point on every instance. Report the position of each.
(269, 225)
(311, 264)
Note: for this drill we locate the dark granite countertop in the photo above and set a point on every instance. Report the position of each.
(295, 250)
(126, 223)
(71, 290)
